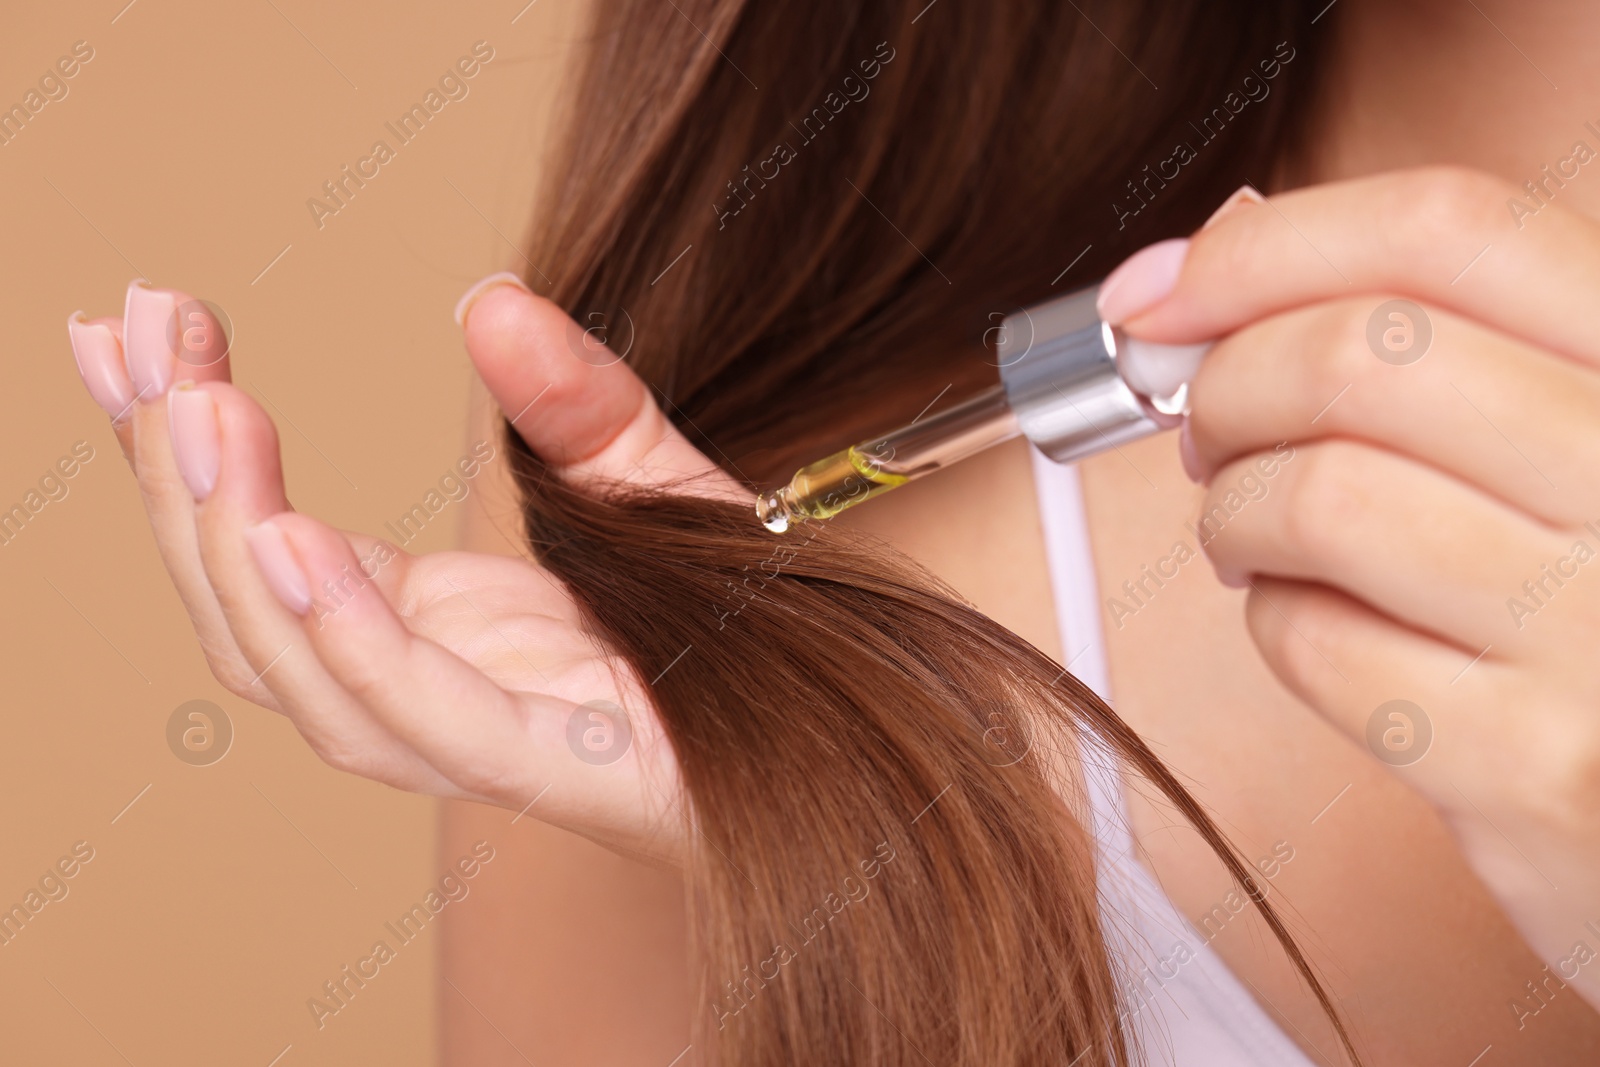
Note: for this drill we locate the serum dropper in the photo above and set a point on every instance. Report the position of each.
(1069, 382)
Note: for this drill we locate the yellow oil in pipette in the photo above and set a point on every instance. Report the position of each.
(822, 489)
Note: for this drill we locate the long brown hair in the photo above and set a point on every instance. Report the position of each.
(798, 221)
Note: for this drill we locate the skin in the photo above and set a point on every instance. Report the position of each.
(1378, 565)
(1395, 472)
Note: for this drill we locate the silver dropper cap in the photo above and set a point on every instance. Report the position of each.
(1059, 365)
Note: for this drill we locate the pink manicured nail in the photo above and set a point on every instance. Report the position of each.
(145, 322)
(1187, 453)
(278, 565)
(482, 286)
(1144, 280)
(98, 353)
(196, 442)
(1245, 194)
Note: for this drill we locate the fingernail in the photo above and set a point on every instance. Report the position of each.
(1245, 194)
(98, 354)
(278, 565)
(196, 442)
(145, 320)
(1144, 280)
(482, 286)
(1187, 453)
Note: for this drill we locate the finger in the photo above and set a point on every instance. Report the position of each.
(503, 746)
(1418, 545)
(171, 336)
(1482, 406)
(1350, 663)
(97, 351)
(146, 359)
(229, 448)
(573, 400)
(1470, 733)
(1413, 233)
(175, 334)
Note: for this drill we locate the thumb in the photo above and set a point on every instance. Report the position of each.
(573, 400)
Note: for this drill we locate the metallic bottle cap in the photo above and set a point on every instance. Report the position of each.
(1059, 367)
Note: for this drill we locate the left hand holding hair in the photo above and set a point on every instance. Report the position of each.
(1423, 373)
(457, 674)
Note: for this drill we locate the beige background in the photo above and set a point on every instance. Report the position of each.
(224, 896)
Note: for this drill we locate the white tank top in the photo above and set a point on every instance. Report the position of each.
(1183, 1006)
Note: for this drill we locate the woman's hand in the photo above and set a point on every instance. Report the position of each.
(1416, 520)
(455, 674)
